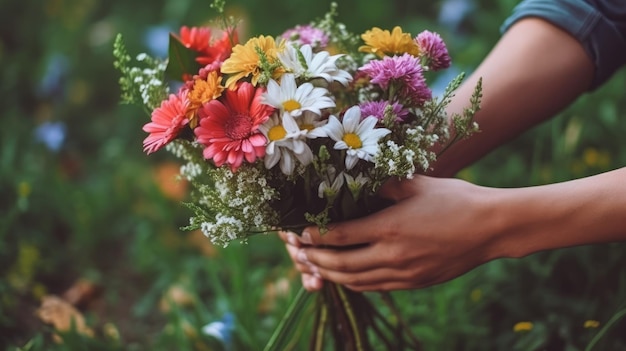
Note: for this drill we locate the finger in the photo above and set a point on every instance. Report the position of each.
(302, 266)
(311, 282)
(352, 260)
(353, 232)
(399, 189)
(384, 279)
(289, 238)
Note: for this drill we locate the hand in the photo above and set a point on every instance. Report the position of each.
(433, 233)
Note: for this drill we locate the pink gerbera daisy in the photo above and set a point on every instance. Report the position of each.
(167, 121)
(229, 127)
(404, 73)
(433, 50)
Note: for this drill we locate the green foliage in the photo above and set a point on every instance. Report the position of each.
(94, 209)
(182, 60)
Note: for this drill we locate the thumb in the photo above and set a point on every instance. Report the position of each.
(397, 189)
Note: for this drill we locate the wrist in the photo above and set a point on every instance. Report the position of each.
(578, 212)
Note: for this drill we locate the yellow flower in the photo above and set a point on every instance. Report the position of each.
(476, 295)
(202, 92)
(520, 327)
(245, 60)
(382, 42)
(591, 324)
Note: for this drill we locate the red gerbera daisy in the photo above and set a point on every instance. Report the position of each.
(167, 121)
(195, 38)
(211, 53)
(229, 127)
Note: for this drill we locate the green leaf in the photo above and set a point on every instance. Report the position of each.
(182, 60)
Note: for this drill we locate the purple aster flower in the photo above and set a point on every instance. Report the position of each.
(433, 49)
(404, 73)
(377, 109)
(301, 35)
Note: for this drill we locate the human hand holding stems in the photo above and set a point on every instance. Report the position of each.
(440, 228)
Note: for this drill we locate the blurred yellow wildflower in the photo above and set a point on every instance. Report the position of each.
(521, 327)
(591, 324)
(382, 42)
(476, 295)
(596, 158)
(24, 189)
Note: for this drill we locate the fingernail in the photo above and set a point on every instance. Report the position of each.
(316, 283)
(301, 257)
(306, 237)
(315, 271)
(292, 240)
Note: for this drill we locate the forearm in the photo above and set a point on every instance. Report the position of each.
(584, 211)
(534, 72)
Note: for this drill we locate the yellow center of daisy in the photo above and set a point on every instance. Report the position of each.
(276, 133)
(291, 105)
(307, 127)
(352, 140)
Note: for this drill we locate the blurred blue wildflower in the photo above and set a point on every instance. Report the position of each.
(222, 329)
(54, 79)
(51, 134)
(156, 38)
(446, 76)
(453, 12)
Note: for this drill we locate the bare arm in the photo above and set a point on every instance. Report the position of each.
(534, 71)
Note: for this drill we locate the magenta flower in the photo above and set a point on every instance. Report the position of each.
(404, 73)
(377, 109)
(433, 49)
(302, 35)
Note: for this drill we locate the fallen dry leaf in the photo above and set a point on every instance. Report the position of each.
(272, 292)
(81, 292)
(62, 315)
(176, 295)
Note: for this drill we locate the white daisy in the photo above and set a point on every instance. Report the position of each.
(289, 97)
(359, 138)
(306, 64)
(311, 123)
(286, 142)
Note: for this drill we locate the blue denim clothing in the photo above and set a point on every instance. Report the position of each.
(599, 25)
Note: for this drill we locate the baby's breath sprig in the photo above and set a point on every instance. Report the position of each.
(464, 124)
(140, 86)
(230, 206)
(339, 35)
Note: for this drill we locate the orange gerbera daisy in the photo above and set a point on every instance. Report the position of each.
(203, 91)
(167, 121)
(229, 126)
(382, 42)
(245, 61)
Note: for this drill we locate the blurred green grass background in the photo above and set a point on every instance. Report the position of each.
(85, 215)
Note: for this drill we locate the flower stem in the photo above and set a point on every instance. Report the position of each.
(350, 313)
(616, 317)
(279, 339)
(386, 297)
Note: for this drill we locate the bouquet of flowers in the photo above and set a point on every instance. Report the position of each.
(278, 133)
